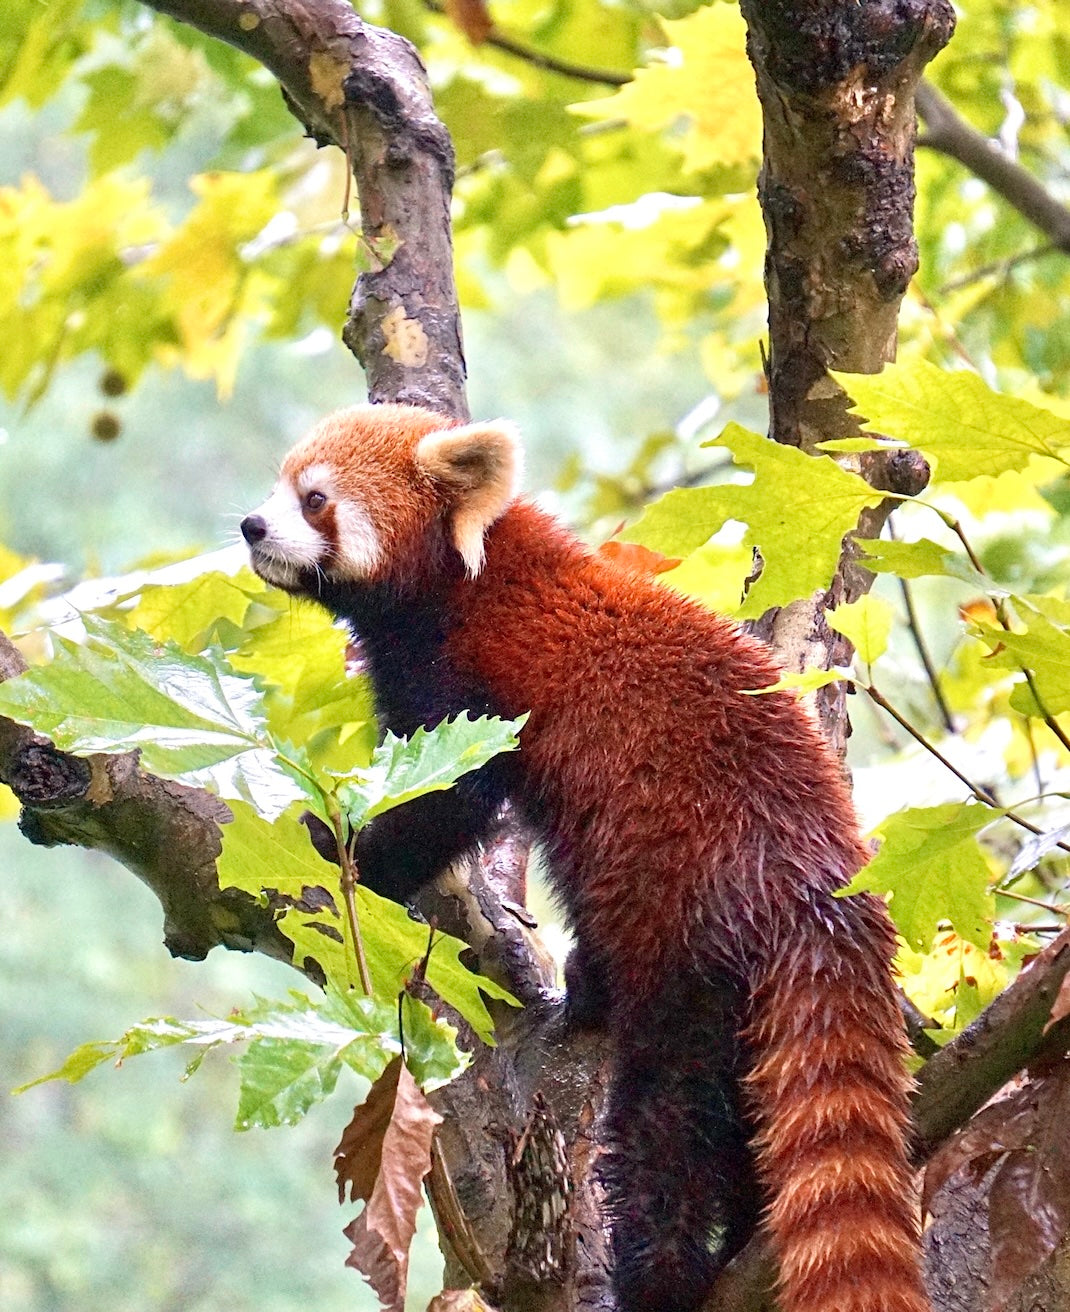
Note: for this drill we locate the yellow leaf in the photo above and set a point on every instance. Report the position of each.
(212, 291)
(715, 575)
(954, 980)
(56, 259)
(9, 804)
(801, 682)
(654, 243)
(704, 86)
(866, 623)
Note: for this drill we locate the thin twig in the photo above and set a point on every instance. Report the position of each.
(1000, 267)
(951, 135)
(1034, 755)
(349, 896)
(924, 657)
(1033, 901)
(539, 59)
(1046, 715)
(982, 794)
(922, 649)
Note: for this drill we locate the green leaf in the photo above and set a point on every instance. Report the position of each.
(311, 699)
(800, 681)
(281, 1080)
(930, 862)
(258, 855)
(798, 510)
(299, 1047)
(189, 612)
(866, 623)
(1043, 649)
(956, 420)
(428, 762)
(296, 1051)
(85, 1058)
(148, 1036)
(431, 1051)
(38, 46)
(121, 128)
(191, 717)
(915, 560)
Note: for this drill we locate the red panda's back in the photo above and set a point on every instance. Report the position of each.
(655, 768)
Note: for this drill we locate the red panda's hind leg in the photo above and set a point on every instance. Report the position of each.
(588, 997)
(678, 1173)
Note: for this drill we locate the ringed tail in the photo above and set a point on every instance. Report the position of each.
(829, 1094)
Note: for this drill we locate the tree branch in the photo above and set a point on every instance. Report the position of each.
(365, 90)
(167, 834)
(1009, 1034)
(950, 135)
(836, 187)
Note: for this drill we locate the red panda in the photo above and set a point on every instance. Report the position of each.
(694, 834)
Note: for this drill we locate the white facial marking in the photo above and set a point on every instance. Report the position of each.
(291, 543)
(314, 478)
(359, 547)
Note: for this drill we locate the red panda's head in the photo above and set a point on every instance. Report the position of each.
(366, 490)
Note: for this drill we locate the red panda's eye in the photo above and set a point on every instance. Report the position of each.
(315, 501)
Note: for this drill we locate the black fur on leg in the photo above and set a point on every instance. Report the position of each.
(588, 998)
(682, 1193)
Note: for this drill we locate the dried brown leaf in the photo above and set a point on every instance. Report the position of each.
(472, 17)
(994, 1130)
(360, 1149)
(1060, 1008)
(1029, 1201)
(377, 1264)
(1029, 1192)
(383, 1156)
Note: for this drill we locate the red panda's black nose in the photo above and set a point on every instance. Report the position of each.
(254, 529)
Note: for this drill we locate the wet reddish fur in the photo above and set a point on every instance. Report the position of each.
(659, 679)
(727, 826)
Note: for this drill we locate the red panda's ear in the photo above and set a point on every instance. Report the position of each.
(480, 464)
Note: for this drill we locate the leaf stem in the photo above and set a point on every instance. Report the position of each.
(923, 654)
(349, 881)
(1056, 910)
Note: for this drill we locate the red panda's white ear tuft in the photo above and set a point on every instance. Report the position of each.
(480, 464)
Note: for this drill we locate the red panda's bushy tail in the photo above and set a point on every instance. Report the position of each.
(828, 1093)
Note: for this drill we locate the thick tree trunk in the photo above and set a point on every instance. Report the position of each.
(836, 82)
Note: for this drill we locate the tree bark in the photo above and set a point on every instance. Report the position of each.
(836, 83)
(365, 89)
